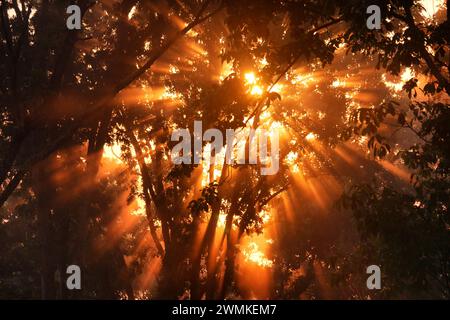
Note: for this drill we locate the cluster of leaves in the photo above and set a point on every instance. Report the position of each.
(206, 200)
(408, 236)
(408, 230)
(366, 122)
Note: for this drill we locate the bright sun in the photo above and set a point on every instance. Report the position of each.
(251, 80)
(256, 90)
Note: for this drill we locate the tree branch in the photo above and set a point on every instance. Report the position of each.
(409, 19)
(159, 52)
(12, 185)
(105, 101)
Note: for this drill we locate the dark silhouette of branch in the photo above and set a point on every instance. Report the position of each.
(11, 186)
(287, 68)
(160, 51)
(273, 195)
(149, 193)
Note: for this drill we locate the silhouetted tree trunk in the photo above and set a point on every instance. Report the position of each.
(44, 194)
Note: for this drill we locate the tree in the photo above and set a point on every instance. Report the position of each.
(130, 78)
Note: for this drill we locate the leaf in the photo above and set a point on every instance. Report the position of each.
(429, 88)
(274, 96)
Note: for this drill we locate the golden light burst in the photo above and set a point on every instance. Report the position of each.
(256, 90)
(253, 254)
(431, 7)
(310, 136)
(252, 82)
(250, 78)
